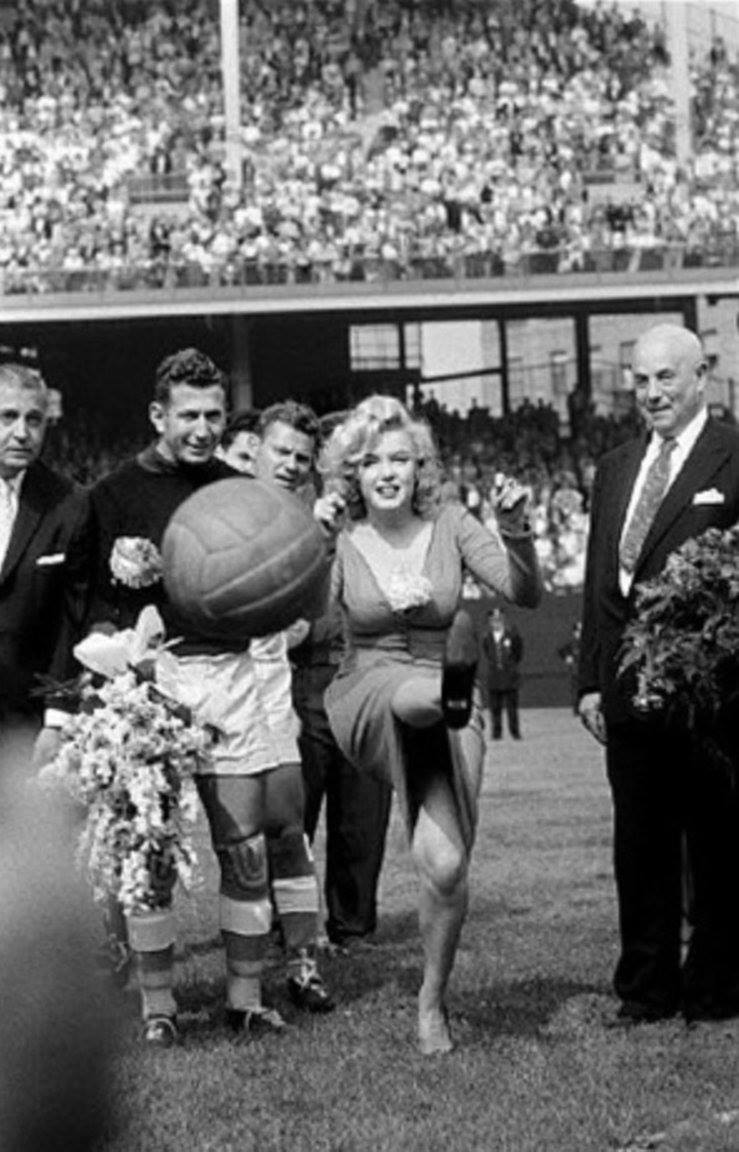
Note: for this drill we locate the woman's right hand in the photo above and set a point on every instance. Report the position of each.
(329, 511)
(510, 502)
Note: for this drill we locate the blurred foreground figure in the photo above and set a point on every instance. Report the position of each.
(56, 1027)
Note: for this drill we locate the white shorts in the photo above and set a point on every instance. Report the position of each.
(247, 697)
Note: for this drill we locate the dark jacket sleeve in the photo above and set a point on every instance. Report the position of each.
(589, 661)
(63, 665)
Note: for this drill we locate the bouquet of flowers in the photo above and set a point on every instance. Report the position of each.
(683, 644)
(129, 756)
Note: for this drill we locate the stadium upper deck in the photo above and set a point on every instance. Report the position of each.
(471, 140)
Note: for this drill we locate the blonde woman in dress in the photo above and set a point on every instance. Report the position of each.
(403, 704)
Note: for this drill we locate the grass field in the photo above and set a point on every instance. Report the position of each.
(535, 1070)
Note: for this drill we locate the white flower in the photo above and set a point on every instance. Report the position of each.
(130, 761)
(405, 590)
(135, 562)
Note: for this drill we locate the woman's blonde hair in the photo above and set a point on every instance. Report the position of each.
(347, 445)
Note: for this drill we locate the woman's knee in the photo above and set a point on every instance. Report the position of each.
(417, 702)
(442, 865)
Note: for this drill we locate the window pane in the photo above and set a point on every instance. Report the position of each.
(373, 347)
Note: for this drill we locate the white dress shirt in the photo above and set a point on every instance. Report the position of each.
(10, 491)
(684, 443)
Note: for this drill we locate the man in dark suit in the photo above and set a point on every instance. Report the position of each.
(649, 497)
(502, 647)
(39, 510)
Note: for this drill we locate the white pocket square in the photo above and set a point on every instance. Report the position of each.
(52, 558)
(710, 496)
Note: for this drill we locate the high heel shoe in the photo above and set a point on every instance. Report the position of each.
(458, 671)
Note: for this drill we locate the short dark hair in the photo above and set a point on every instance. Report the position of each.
(245, 421)
(188, 366)
(297, 416)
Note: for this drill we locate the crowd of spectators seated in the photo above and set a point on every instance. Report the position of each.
(453, 138)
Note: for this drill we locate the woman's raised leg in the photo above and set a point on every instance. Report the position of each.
(417, 702)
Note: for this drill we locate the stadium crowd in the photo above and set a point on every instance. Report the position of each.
(469, 139)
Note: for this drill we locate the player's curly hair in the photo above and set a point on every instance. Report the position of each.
(188, 366)
(358, 432)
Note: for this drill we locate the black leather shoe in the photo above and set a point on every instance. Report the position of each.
(307, 989)
(631, 1014)
(255, 1022)
(710, 1010)
(161, 1032)
(458, 672)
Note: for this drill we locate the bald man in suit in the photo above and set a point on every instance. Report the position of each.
(650, 496)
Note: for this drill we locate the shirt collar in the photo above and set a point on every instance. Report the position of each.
(14, 482)
(685, 440)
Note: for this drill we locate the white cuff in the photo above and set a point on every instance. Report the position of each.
(55, 718)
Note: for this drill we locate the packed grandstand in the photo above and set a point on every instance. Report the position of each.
(454, 138)
(393, 140)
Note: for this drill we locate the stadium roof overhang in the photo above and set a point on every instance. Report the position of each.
(534, 295)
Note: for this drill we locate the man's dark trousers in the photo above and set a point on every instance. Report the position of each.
(357, 812)
(508, 699)
(660, 789)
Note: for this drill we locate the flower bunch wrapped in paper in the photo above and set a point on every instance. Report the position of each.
(129, 756)
(683, 644)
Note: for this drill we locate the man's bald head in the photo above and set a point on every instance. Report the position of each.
(681, 340)
(669, 371)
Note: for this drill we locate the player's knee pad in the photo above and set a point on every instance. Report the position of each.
(289, 853)
(244, 867)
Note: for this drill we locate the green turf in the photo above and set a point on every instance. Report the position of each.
(535, 1069)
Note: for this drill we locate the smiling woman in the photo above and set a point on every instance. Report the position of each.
(403, 705)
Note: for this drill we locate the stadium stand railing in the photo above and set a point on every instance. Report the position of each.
(720, 253)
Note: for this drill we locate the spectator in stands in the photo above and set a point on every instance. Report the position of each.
(472, 170)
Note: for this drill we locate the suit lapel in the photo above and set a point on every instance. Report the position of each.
(704, 460)
(618, 494)
(34, 500)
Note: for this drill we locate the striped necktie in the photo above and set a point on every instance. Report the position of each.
(650, 498)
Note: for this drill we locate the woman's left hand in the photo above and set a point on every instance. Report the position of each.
(511, 504)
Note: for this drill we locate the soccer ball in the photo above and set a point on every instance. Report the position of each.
(242, 559)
